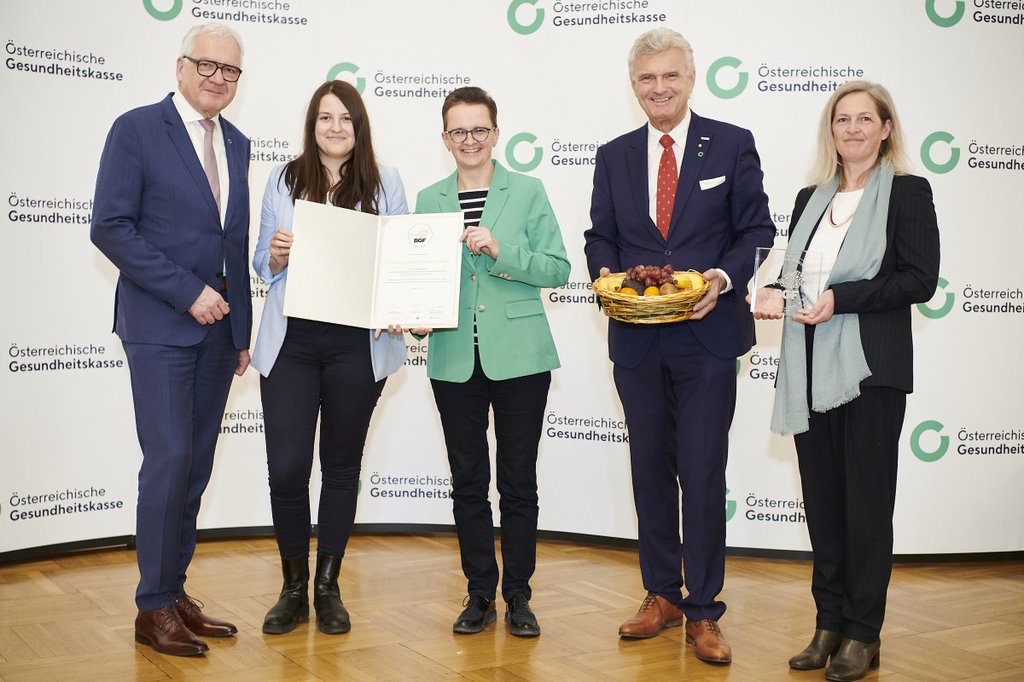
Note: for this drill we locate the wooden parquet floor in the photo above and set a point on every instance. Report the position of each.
(71, 618)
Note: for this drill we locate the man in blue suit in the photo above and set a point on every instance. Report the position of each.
(171, 211)
(677, 381)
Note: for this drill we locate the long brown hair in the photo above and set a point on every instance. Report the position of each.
(305, 176)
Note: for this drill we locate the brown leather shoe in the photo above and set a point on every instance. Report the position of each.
(655, 614)
(198, 622)
(708, 640)
(163, 630)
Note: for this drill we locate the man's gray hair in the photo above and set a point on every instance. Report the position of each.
(658, 40)
(188, 43)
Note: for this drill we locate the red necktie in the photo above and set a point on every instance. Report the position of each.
(668, 178)
(210, 159)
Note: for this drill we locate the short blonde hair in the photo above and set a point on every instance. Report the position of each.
(827, 162)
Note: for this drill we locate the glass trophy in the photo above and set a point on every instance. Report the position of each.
(784, 284)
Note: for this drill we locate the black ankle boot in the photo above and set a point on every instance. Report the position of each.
(853, 660)
(823, 645)
(292, 606)
(331, 615)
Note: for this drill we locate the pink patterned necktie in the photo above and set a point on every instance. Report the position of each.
(210, 159)
(668, 179)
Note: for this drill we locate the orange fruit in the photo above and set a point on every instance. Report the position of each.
(627, 291)
(652, 291)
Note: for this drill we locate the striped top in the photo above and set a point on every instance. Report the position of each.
(472, 203)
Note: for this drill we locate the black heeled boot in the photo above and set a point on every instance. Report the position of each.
(292, 606)
(823, 645)
(853, 661)
(331, 615)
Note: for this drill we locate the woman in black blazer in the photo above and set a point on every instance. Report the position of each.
(847, 363)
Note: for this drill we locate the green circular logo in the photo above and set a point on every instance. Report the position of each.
(510, 152)
(926, 152)
(939, 20)
(915, 441)
(347, 67)
(942, 310)
(520, 28)
(712, 78)
(163, 15)
(730, 507)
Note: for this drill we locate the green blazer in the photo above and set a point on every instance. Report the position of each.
(504, 295)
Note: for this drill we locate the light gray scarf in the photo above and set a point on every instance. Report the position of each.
(838, 365)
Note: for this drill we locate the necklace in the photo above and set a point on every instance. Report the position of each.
(832, 213)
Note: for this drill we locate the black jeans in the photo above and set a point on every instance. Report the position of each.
(518, 420)
(323, 369)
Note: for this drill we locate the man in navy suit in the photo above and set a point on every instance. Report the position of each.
(171, 212)
(677, 381)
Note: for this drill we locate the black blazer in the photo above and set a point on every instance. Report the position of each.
(909, 274)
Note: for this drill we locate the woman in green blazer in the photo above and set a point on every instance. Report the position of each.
(500, 357)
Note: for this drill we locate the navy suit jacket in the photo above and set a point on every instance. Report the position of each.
(155, 218)
(718, 225)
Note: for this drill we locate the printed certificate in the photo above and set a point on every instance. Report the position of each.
(349, 267)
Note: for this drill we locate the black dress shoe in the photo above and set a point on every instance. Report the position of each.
(475, 617)
(815, 656)
(292, 606)
(519, 617)
(853, 660)
(331, 615)
(163, 630)
(192, 616)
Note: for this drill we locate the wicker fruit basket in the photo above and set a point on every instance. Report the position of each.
(640, 309)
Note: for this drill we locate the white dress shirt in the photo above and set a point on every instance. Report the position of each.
(654, 151)
(191, 118)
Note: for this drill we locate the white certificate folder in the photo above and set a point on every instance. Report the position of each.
(362, 270)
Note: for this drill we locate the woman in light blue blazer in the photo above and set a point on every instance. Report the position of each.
(500, 357)
(310, 368)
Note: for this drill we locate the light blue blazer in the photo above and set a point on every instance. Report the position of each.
(386, 353)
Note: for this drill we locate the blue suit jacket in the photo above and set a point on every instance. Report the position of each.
(155, 218)
(714, 227)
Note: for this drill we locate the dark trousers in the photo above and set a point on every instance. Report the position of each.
(323, 369)
(848, 464)
(678, 404)
(179, 395)
(518, 420)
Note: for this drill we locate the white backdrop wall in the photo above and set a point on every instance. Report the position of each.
(557, 69)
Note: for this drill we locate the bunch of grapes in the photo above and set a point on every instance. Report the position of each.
(650, 275)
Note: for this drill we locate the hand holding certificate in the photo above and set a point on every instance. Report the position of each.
(362, 270)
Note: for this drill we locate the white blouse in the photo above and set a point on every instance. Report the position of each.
(827, 241)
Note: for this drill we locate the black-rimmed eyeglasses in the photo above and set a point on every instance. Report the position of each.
(459, 135)
(207, 68)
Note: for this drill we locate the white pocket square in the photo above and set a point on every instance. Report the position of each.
(712, 182)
